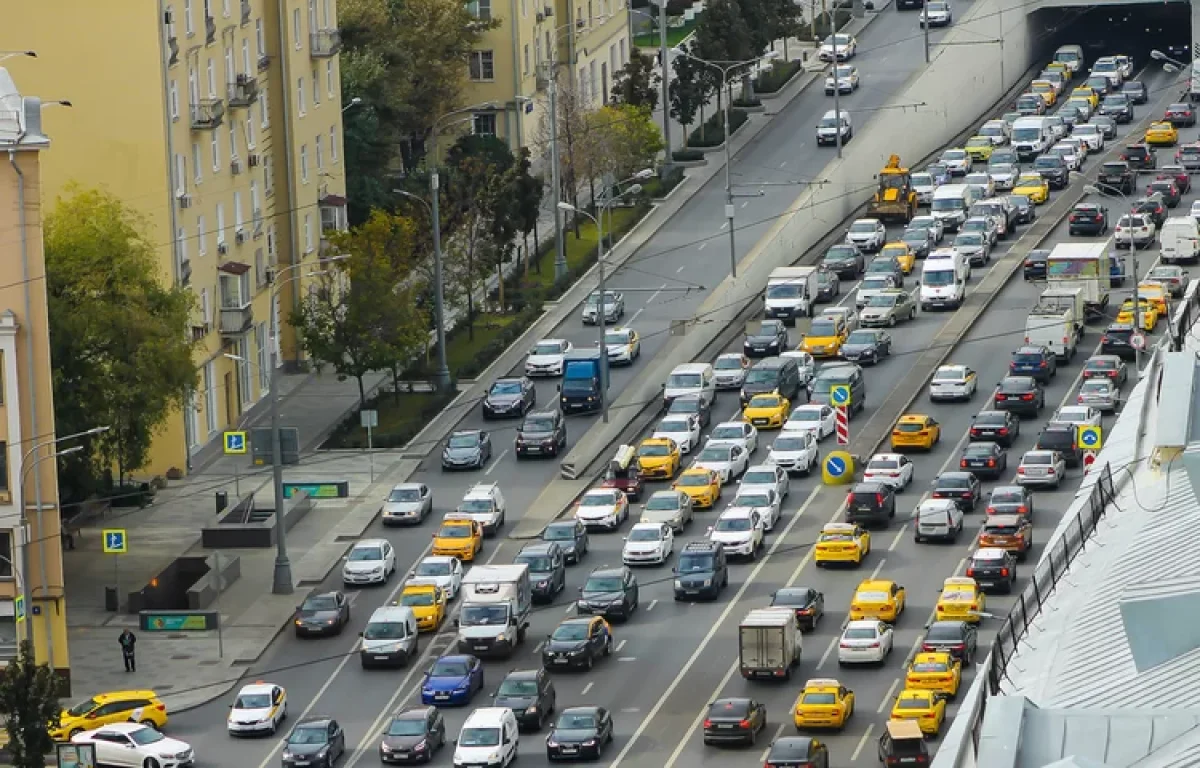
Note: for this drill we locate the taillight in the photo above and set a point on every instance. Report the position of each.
(974, 432)
(1074, 217)
(962, 462)
(873, 645)
(744, 723)
(1026, 397)
(1021, 510)
(959, 647)
(991, 462)
(1002, 431)
(1050, 471)
(879, 499)
(988, 511)
(974, 606)
(971, 572)
(1112, 374)
(1042, 364)
(1064, 341)
(1003, 572)
(707, 723)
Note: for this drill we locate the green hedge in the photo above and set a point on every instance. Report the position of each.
(400, 419)
(659, 187)
(712, 133)
(747, 103)
(494, 348)
(776, 77)
(687, 155)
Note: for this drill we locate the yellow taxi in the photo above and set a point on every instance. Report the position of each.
(658, 457)
(1157, 293)
(979, 148)
(928, 708)
(702, 485)
(823, 703)
(1046, 90)
(1086, 92)
(1058, 66)
(428, 604)
(825, 336)
(961, 600)
(767, 411)
(841, 543)
(1033, 186)
(1149, 314)
(904, 255)
(109, 708)
(880, 599)
(938, 672)
(458, 536)
(915, 430)
(1162, 134)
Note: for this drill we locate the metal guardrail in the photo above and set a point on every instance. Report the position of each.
(1045, 578)
(1184, 315)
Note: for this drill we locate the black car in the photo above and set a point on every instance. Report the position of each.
(797, 752)
(1171, 194)
(962, 487)
(580, 733)
(541, 434)
(547, 569)
(1135, 90)
(734, 720)
(1116, 176)
(1022, 395)
(414, 735)
(808, 603)
(509, 398)
(1180, 114)
(1063, 438)
(608, 592)
(577, 644)
(467, 449)
(871, 504)
(1118, 107)
(918, 241)
(769, 339)
(867, 346)
(844, 260)
(1034, 267)
(957, 638)
(571, 536)
(1011, 500)
(316, 741)
(530, 694)
(702, 571)
(829, 285)
(1001, 427)
(1107, 126)
(692, 404)
(984, 459)
(1117, 340)
(1053, 169)
(1152, 206)
(1141, 157)
(1038, 362)
(994, 569)
(1100, 84)
(325, 613)
(1072, 116)
(1088, 219)
(1108, 367)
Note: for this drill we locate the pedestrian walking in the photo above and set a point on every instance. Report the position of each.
(127, 641)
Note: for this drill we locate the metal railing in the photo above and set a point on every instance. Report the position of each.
(1184, 315)
(1046, 575)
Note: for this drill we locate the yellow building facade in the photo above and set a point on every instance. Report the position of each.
(30, 554)
(220, 122)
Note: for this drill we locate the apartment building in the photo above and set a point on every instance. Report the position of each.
(220, 122)
(584, 41)
(28, 480)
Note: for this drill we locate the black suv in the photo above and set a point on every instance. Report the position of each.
(530, 694)
(1035, 264)
(608, 592)
(993, 569)
(1140, 157)
(963, 487)
(1088, 219)
(702, 571)
(542, 434)
(1053, 169)
(1152, 206)
(1038, 362)
(1170, 191)
(1116, 176)
(547, 569)
(1063, 438)
(871, 504)
(844, 260)
(1116, 341)
(1118, 107)
(1135, 90)
(958, 638)
(1001, 427)
(1022, 395)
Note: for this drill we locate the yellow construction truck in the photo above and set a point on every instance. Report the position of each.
(895, 200)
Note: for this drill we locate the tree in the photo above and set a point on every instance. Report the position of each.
(624, 140)
(636, 83)
(119, 339)
(688, 91)
(29, 705)
(526, 199)
(723, 35)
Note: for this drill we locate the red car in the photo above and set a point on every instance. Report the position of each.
(1180, 114)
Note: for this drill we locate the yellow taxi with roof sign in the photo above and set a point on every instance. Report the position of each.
(767, 411)
(427, 601)
(1149, 314)
(108, 708)
(659, 457)
(903, 255)
(979, 148)
(927, 708)
(880, 599)
(1046, 89)
(1086, 92)
(1156, 292)
(1162, 134)
(458, 536)
(938, 671)
(1033, 185)
(841, 543)
(961, 600)
(825, 337)
(703, 485)
(823, 703)
(916, 430)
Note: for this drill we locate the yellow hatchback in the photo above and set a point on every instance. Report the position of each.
(878, 599)
(1033, 186)
(938, 672)
(458, 536)
(1149, 314)
(1086, 92)
(1046, 90)
(767, 411)
(903, 255)
(1162, 135)
(825, 336)
(979, 148)
(108, 708)
(928, 708)
(702, 485)
(1157, 293)
(915, 430)
(428, 603)
(824, 703)
(841, 543)
(658, 457)
(961, 600)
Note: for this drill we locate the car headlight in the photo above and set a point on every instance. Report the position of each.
(288, 755)
(500, 637)
(532, 710)
(618, 601)
(707, 583)
(494, 757)
(678, 584)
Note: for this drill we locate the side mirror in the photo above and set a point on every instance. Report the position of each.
(581, 590)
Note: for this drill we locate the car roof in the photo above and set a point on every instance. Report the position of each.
(993, 553)
(320, 720)
(953, 476)
(412, 713)
(886, 457)
(735, 513)
(1037, 452)
(868, 584)
(257, 688)
(538, 548)
(122, 727)
(607, 570)
(367, 543)
(523, 674)
(647, 526)
(691, 368)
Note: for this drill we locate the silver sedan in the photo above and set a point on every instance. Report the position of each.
(1100, 394)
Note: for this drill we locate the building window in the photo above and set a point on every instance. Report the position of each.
(604, 82)
(271, 244)
(237, 211)
(264, 105)
(316, 88)
(255, 205)
(233, 144)
(260, 39)
(624, 60)
(210, 392)
(613, 66)
(180, 174)
(582, 85)
(210, 71)
(246, 66)
(193, 87)
(328, 17)
(483, 9)
(485, 123)
(261, 340)
(250, 143)
(329, 81)
(230, 70)
(296, 28)
(269, 175)
(333, 145)
(308, 233)
(173, 97)
(188, 25)
(201, 235)
(320, 153)
(300, 96)
(197, 165)
(593, 81)
(220, 224)
(482, 65)
(537, 52)
(524, 8)
(303, 163)
(181, 245)
(216, 152)
(312, 16)
(6, 537)
(225, 8)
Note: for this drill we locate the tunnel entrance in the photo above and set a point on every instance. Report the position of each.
(1133, 29)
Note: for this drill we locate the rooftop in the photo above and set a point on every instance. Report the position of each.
(20, 116)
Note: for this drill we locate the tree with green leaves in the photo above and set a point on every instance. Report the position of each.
(30, 708)
(723, 35)
(119, 340)
(636, 83)
(625, 140)
(526, 200)
(688, 90)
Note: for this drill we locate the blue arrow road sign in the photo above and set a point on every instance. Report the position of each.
(115, 542)
(1090, 437)
(235, 442)
(839, 395)
(835, 466)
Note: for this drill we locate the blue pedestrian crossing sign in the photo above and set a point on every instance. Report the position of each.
(839, 395)
(115, 541)
(236, 443)
(1090, 438)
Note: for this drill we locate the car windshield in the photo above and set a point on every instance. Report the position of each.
(304, 735)
(910, 426)
(978, 449)
(840, 40)
(456, 531)
(828, 122)
(714, 453)
(1095, 386)
(876, 283)
(558, 533)
(694, 480)
(912, 704)
(477, 506)
(759, 477)
(957, 596)
(464, 441)
(673, 426)
(406, 727)
(863, 228)
(805, 414)
(537, 563)
(915, 237)
(883, 300)
(937, 277)
(732, 524)
(921, 180)
(860, 633)
(878, 464)
(944, 633)
(385, 630)
(645, 534)
(506, 388)
(538, 425)
(574, 722)
(603, 584)
(404, 494)
(666, 502)
(685, 381)
(734, 432)
(990, 419)
(449, 668)
(547, 348)
(969, 238)
(822, 328)
(1047, 162)
(1007, 497)
(83, 707)
(602, 499)
(752, 500)
(424, 597)
(954, 155)
(144, 736)
(786, 443)
(734, 363)
(365, 554)
(695, 563)
(253, 701)
(840, 253)
(483, 615)
(617, 337)
(518, 688)
(570, 632)
(433, 568)
(594, 298)
(654, 449)
(479, 737)
(862, 337)
(319, 604)
(761, 376)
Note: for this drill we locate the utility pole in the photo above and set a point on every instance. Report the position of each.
(728, 183)
(925, 31)
(560, 254)
(665, 79)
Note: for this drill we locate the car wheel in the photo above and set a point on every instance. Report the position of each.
(151, 762)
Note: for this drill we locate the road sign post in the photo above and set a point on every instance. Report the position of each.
(235, 444)
(1137, 340)
(843, 425)
(116, 543)
(370, 420)
(1090, 437)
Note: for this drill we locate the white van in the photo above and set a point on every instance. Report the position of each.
(1031, 136)
(952, 202)
(691, 379)
(488, 737)
(937, 519)
(1071, 56)
(390, 637)
(1180, 240)
(944, 279)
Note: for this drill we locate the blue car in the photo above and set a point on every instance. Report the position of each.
(452, 680)
(1038, 362)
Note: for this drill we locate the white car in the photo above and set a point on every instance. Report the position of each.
(1124, 65)
(930, 222)
(614, 307)
(131, 745)
(1100, 394)
(868, 235)
(953, 382)
(1081, 146)
(370, 561)
(1195, 210)
(648, 544)
(996, 130)
(684, 429)
(729, 370)
(890, 469)
(820, 420)
(871, 286)
(769, 477)
(407, 503)
(806, 363)
(445, 571)
(1069, 153)
(866, 641)
(603, 508)
(767, 503)
(743, 434)
(258, 708)
(1078, 415)
(847, 80)
(1004, 175)
(1134, 231)
(728, 461)
(1091, 134)
(739, 532)
(794, 452)
(957, 161)
(1041, 468)
(546, 358)
(845, 46)
(924, 185)
(623, 346)
(983, 180)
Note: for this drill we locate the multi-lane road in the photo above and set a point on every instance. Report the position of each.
(673, 658)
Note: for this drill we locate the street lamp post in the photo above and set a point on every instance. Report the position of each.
(664, 79)
(1092, 189)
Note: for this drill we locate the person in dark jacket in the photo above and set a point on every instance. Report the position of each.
(127, 641)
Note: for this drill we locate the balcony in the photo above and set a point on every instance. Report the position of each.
(333, 213)
(237, 315)
(243, 92)
(236, 321)
(208, 114)
(325, 43)
(173, 48)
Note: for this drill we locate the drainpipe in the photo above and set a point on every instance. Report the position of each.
(291, 173)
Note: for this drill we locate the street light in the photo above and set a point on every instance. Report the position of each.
(1092, 189)
(725, 68)
(352, 104)
(664, 79)
(439, 318)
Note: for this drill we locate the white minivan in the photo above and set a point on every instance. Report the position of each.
(944, 280)
(691, 379)
(1180, 240)
(390, 637)
(937, 520)
(488, 737)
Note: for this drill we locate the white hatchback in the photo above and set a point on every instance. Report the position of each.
(740, 433)
(728, 461)
(820, 420)
(370, 561)
(765, 502)
(794, 452)
(683, 429)
(648, 544)
(866, 641)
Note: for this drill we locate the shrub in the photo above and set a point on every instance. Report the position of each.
(747, 103)
(712, 133)
(776, 77)
(677, 7)
(687, 155)
(660, 187)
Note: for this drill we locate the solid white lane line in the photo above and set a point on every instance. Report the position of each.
(496, 462)
(726, 224)
(570, 607)
(621, 645)
(745, 203)
(651, 606)
(862, 743)
(703, 245)
(538, 648)
(634, 316)
(887, 697)
(899, 535)
(833, 643)
(586, 688)
(878, 568)
(683, 267)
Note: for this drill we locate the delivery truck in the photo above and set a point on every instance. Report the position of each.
(496, 601)
(584, 377)
(791, 293)
(769, 644)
